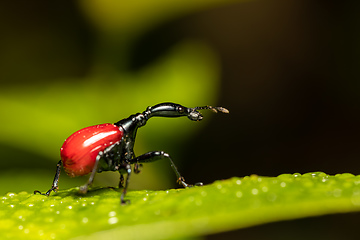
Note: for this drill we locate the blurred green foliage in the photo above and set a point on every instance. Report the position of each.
(221, 206)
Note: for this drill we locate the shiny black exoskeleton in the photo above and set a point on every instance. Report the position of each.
(109, 147)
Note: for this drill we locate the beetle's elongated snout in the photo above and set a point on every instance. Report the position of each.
(177, 110)
(166, 110)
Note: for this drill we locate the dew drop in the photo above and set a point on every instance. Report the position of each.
(337, 192)
(10, 194)
(285, 176)
(218, 186)
(31, 205)
(271, 197)
(254, 176)
(238, 182)
(203, 193)
(26, 230)
(357, 182)
(69, 207)
(264, 189)
(20, 227)
(254, 191)
(113, 220)
(85, 220)
(112, 214)
(355, 199)
(283, 184)
(239, 194)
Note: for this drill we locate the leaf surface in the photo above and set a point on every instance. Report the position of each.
(177, 213)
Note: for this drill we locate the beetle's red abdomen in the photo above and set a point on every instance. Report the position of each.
(79, 151)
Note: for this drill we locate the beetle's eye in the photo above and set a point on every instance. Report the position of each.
(181, 109)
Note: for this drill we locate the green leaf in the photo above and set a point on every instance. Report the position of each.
(177, 213)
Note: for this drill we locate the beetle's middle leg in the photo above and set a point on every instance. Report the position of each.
(83, 189)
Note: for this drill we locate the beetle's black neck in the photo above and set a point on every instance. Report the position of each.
(132, 123)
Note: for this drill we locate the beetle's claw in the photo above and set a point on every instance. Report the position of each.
(36, 191)
(125, 202)
(181, 181)
(48, 192)
(137, 168)
(83, 189)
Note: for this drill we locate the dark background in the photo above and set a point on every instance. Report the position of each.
(289, 76)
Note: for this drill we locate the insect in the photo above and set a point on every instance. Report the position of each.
(109, 147)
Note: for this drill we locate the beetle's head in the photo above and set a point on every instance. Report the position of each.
(195, 115)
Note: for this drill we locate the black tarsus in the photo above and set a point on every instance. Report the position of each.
(55, 186)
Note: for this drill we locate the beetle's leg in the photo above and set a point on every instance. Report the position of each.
(157, 155)
(83, 189)
(121, 182)
(137, 168)
(128, 170)
(55, 181)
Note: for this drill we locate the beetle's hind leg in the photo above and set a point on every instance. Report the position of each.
(157, 155)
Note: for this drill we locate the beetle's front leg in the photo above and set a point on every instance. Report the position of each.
(55, 181)
(83, 189)
(157, 155)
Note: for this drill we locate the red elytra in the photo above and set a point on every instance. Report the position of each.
(79, 151)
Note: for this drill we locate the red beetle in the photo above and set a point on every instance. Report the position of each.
(109, 147)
